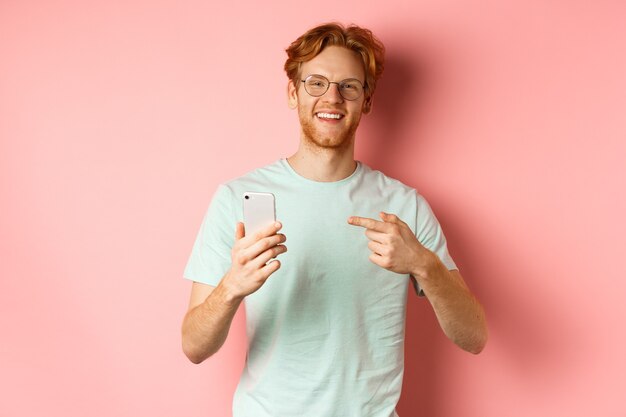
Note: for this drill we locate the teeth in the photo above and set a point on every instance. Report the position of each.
(328, 116)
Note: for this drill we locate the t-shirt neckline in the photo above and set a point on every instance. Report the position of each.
(325, 184)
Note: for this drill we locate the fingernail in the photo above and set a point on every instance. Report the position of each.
(277, 225)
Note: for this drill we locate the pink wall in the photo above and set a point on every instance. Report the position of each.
(118, 120)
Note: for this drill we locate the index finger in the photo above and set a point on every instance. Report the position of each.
(368, 223)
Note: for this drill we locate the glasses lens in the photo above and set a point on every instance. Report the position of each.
(351, 89)
(316, 85)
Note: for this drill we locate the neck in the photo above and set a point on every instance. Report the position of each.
(323, 164)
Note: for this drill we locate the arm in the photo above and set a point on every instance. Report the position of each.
(459, 313)
(395, 248)
(211, 309)
(206, 324)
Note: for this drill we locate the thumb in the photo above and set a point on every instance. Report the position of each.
(387, 217)
(240, 231)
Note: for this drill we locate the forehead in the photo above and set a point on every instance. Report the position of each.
(335, 63)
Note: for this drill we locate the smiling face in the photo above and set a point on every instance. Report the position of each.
(329, 121)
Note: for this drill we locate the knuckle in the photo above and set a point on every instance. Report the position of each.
(240, 258)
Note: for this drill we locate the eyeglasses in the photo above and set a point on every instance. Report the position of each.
(317, 85)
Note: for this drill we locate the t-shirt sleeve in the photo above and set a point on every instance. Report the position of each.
(210, 257)
(429, 233)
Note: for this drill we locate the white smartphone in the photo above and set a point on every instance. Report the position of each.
(259, 211)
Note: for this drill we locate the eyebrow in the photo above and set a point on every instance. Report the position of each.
(343, 79)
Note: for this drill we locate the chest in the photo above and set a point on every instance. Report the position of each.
(327, 258)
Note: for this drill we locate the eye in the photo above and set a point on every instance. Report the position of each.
(316, 83)
(350, 85)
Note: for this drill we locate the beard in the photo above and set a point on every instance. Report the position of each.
(315, 137)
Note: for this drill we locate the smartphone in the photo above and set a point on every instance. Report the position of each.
(259, 211)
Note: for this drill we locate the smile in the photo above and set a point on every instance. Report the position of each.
(335, 116)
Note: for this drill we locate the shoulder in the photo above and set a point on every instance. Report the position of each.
(386, 184)
(262, 175)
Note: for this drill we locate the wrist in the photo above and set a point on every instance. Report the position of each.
(228, 295)
(428, 266)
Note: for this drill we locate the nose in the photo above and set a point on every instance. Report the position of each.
(333, 95)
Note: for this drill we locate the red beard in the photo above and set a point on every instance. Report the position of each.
(338, 140)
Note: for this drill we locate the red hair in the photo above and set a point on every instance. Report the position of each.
(358, 39)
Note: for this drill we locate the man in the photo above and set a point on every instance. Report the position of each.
(326, 325)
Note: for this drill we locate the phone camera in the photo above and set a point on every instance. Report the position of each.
(247, 197)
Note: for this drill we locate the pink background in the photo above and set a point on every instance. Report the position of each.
(119, 119)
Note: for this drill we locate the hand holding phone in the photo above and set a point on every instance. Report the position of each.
(255, 248)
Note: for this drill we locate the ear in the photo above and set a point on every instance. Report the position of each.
(367, 105)
(292, 95)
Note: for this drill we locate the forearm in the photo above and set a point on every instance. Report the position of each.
(459, 313)
(206, 326)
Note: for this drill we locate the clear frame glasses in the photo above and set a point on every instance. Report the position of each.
(317, 85)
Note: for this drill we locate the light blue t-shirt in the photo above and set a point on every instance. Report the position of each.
(326, 331)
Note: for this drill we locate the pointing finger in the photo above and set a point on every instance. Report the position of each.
(367, 223)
